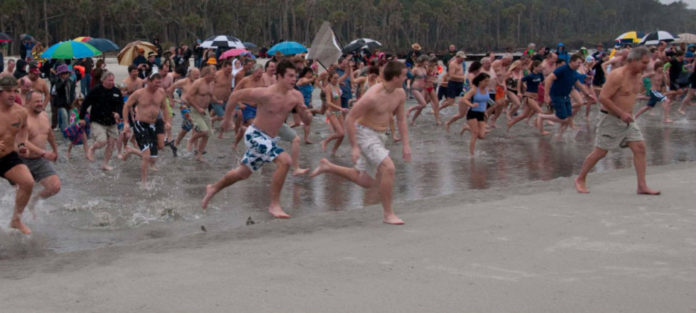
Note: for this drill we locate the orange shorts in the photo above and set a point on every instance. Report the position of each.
(499, 92)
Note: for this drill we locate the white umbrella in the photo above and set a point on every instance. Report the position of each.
(654, 38)
(686, 38)
(223, 41)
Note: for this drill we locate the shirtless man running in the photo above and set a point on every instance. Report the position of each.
(151, 100)
(14, 136)
(365, 125)
(274, 103)
(184, 84)
(248, 112)
(221, 91)
(199, 97)
(39, 160)
(616, 126)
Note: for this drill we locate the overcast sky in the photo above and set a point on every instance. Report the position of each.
(690, 3)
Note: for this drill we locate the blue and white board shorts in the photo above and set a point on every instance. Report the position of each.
(261, 148)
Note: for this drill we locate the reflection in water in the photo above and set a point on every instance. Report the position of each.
(97, 209)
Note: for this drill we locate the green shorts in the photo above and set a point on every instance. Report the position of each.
(201, 122)
(612, 132)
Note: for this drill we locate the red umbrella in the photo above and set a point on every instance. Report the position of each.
(233, 53)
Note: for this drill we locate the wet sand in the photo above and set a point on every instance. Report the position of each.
(536, 247)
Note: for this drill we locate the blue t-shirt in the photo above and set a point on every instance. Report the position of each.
(306, 91)
(532, 81)
(565, 80)
(346, 90)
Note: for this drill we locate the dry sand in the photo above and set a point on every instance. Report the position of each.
(535, 248)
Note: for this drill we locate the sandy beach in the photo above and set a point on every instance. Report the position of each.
(538, 247)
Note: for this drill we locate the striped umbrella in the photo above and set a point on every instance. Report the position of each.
(654, 38)
(287, 48)
(69, 50)
(223, 41)
(630, 37)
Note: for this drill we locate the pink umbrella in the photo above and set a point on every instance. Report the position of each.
(233, 53)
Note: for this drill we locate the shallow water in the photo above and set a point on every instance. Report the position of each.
(97, 209)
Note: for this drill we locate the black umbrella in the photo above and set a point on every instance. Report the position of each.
(5, 37)
(361, 43)
(223, 41)
(26, 36)
(103, 44)
(654, 38)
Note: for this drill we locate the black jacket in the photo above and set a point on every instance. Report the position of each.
(104, 103)
(64, 93)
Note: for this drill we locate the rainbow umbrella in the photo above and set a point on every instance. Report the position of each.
(83, 38)
(69, 50)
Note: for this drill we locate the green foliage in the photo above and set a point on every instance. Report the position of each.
(474, 25)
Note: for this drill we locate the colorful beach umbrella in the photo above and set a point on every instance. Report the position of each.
(5, 37)
(222, 41)
(361, 43)
(287, 48)
(103, 44)
(630, 37)
(233, 53)
(654, 38)
(130, 51)
(69, 50)
(83, 38)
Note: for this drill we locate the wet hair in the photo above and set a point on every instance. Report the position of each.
(207, 69)
(31, 94)
(393, 69)
(267, 64)
(560, 62)
(283, 66)
(479, 78)
(226, 62)
(256, 67)
(131, 68)
(305, 71)
(638, 54)
(373, 70)
(576, 57)
(105, 75)
(658, 65)
(475, 66)
(534, 65)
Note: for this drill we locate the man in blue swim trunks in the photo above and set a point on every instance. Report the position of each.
(221, 92)
(255, 80)
(557, 87)
(274, 104)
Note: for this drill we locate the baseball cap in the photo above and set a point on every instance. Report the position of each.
(461, 54)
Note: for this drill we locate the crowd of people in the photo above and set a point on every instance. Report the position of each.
(362, 96)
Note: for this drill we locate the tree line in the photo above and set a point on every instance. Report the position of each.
(474, 25)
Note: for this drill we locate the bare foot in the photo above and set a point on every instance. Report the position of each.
(438, 123)
(154, 168)
(307, 141)
(278, 212)
(447, 127)
(107, 168)
(90, 154)
(580, 186)
(464, 129)
(682, 112)
(209, 193)
(17, 224)
(323, 167)
(393, 220)
(199, 158)
(300, 171)
(648, 191)
(323, 145)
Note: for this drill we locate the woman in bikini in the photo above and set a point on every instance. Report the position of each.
(334, 112)
(530, 84)
(418, 87)
(512, 79)
(474, 70)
